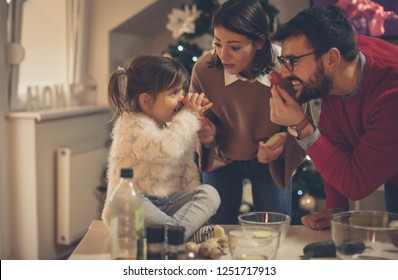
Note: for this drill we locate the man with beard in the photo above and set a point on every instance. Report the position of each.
(355, 144)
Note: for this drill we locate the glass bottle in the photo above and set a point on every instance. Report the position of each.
(175, 243)
(156, 246)
(126, 219)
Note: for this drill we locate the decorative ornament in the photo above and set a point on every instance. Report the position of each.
(308, 179)
(182, 21)
(307, 202)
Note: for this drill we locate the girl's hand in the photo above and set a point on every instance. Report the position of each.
(197, 102)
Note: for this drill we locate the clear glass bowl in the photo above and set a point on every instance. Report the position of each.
(271, 220)
(253, 243)
(365, 235)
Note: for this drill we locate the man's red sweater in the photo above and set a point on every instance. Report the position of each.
(357, 151)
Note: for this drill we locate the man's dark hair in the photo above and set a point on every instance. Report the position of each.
(325, 27)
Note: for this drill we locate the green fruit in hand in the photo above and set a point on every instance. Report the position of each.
(272, 140)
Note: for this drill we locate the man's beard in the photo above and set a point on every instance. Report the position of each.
(317, 87)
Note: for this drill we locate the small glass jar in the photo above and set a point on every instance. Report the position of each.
(156, 245)
(175, 243)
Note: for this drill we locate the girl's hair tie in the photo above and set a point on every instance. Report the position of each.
(121, 69)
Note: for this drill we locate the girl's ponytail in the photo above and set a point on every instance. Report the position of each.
(116, 91)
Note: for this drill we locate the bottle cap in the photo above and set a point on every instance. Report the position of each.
(126, 173)
(155, 234)
(175, 235)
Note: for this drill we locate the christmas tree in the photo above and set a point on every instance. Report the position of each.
(307, 189)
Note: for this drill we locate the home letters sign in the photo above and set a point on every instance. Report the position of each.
(51, 97)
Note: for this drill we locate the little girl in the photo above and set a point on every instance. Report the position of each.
(156, 139)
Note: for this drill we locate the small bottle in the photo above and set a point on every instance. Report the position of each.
(126, 219)
(175, 243)
(156, 245)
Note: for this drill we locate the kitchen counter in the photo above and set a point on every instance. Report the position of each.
(95, 244)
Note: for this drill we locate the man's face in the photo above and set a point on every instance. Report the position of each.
(307, 75)
(317, 87)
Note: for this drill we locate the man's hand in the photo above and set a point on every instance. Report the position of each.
(319, 220)
(284, 109)
(268, 152)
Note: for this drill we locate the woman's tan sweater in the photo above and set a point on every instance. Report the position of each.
(241, 114)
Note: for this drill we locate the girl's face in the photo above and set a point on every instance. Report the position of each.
(166, 105)
(235, 51)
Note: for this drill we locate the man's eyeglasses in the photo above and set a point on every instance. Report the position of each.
(291, 60)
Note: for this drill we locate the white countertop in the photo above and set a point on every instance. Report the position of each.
(95, 244)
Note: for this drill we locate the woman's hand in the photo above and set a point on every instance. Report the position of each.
(195, 102)
(268, 151)
(207, 132)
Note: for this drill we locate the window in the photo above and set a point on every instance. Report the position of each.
(50, 75)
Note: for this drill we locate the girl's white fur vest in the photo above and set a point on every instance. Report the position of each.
(162, 158)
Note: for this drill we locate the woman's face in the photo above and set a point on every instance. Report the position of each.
(235, 51)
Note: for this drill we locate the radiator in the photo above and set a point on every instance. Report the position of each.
(79, 174)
